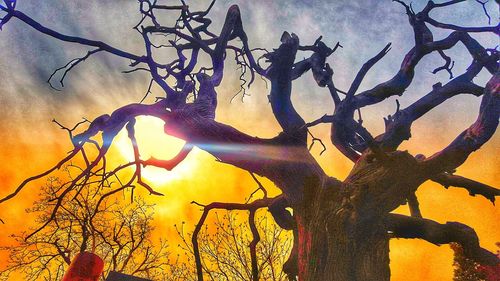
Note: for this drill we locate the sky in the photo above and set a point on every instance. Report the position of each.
(30, 142)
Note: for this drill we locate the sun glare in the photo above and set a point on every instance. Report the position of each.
(153, 142)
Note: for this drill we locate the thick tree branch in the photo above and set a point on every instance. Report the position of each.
(281, 215)
(401, 226)
(232, 27)
(398, 126)
(474, 137)
(494, 29)
(284, 165)
(74, 39)
(473, 187)
(171, 163)
(280, 74)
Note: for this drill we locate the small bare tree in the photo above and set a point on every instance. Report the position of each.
(223, 247)
(118, 232)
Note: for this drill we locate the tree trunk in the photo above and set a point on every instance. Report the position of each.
(342, 233)
(340, 247)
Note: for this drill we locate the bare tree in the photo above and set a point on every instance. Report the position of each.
(223, 248)
(119, 233)
(342, 228)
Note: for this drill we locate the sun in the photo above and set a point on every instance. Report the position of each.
(153, 142)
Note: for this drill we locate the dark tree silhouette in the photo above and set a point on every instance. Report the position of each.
(119, 233)
(224, 252)
(341, 228)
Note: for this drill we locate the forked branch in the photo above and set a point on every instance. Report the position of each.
(251, 207)
(472, 138)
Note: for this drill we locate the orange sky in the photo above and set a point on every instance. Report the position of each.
(30, 143)
(29, 149)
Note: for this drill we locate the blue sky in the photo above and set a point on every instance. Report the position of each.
(362, 27)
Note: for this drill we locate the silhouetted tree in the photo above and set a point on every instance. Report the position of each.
(119, 233)
(223, 248)
(341, 228)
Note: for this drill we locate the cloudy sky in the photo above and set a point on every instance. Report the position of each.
(30, 142)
